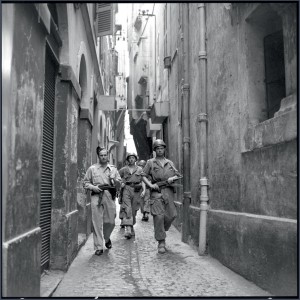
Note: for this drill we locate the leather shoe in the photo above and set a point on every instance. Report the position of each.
(99, 252)
(128, 232)
(108, 244)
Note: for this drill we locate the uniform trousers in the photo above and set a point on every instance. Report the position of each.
(130, 205)
(163, 210)
(103, 219)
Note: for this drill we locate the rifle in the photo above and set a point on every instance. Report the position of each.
(165, 183)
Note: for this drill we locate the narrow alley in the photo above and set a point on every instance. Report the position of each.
(187, 111)
(133, 268)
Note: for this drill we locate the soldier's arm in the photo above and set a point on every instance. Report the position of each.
(144, 174)
(144, 189)
(177, 174)
(88, 182)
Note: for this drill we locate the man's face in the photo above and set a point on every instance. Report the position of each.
(160, 151)
(103, 157)
(131, 160)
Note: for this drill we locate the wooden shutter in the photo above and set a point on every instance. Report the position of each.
(47, 159)
(104, 19)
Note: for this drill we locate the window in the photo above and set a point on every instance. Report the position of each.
(274, 71)
(268, 114)
(104, 19)
(265, 62)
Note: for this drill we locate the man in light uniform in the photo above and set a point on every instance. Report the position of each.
(162, 205)
(132, 186)
(102, 203)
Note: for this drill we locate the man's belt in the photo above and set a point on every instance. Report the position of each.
(132, 183)
(137, 186)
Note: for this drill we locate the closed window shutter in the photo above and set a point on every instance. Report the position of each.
(47, 159)
(104, 19)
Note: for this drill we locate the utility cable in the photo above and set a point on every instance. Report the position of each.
(148, 20)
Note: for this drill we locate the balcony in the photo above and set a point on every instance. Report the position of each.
(159, 112)
(152, 128)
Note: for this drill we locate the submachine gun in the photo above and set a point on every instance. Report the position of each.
(163, 184)
(106, 187)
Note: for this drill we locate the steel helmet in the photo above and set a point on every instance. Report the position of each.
(157, 143)
(131, 154)
(142, 163)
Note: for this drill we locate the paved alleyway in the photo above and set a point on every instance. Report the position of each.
(133, 268)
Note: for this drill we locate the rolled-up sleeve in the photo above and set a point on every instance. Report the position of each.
(146, 170)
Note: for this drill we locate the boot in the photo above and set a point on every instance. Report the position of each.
(161, 246)
(127, 232)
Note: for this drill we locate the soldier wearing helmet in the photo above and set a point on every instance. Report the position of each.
(162, 207)
(145, 196)
(102, 173)
(157, 143)
(131, 186)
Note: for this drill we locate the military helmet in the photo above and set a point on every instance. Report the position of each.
(142, 163)
(157, 143)
(131, 154)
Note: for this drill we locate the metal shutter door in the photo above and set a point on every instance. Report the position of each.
(47, 159)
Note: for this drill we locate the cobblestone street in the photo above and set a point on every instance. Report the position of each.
(133, 268)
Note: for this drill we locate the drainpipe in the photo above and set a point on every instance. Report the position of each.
(202, 118)
(185, 90)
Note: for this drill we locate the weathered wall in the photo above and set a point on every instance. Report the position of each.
(223, 109)
(64, 206)
(174, 95)
(23, 109)
(269, 181)
(83, 199)
(22, 104)
(250, 171)
(262, 249)
(71, 213)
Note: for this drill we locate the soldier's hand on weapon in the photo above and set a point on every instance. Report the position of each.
(122, 184)
(143, 194)
(154, 187)
(172, 179)
(95, 189)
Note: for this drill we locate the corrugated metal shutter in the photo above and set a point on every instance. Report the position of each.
(104, 19)
(47, 159)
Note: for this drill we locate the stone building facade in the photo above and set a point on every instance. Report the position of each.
(52, 78)
(222, 86)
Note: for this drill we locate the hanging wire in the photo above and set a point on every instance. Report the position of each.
(148, 20)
